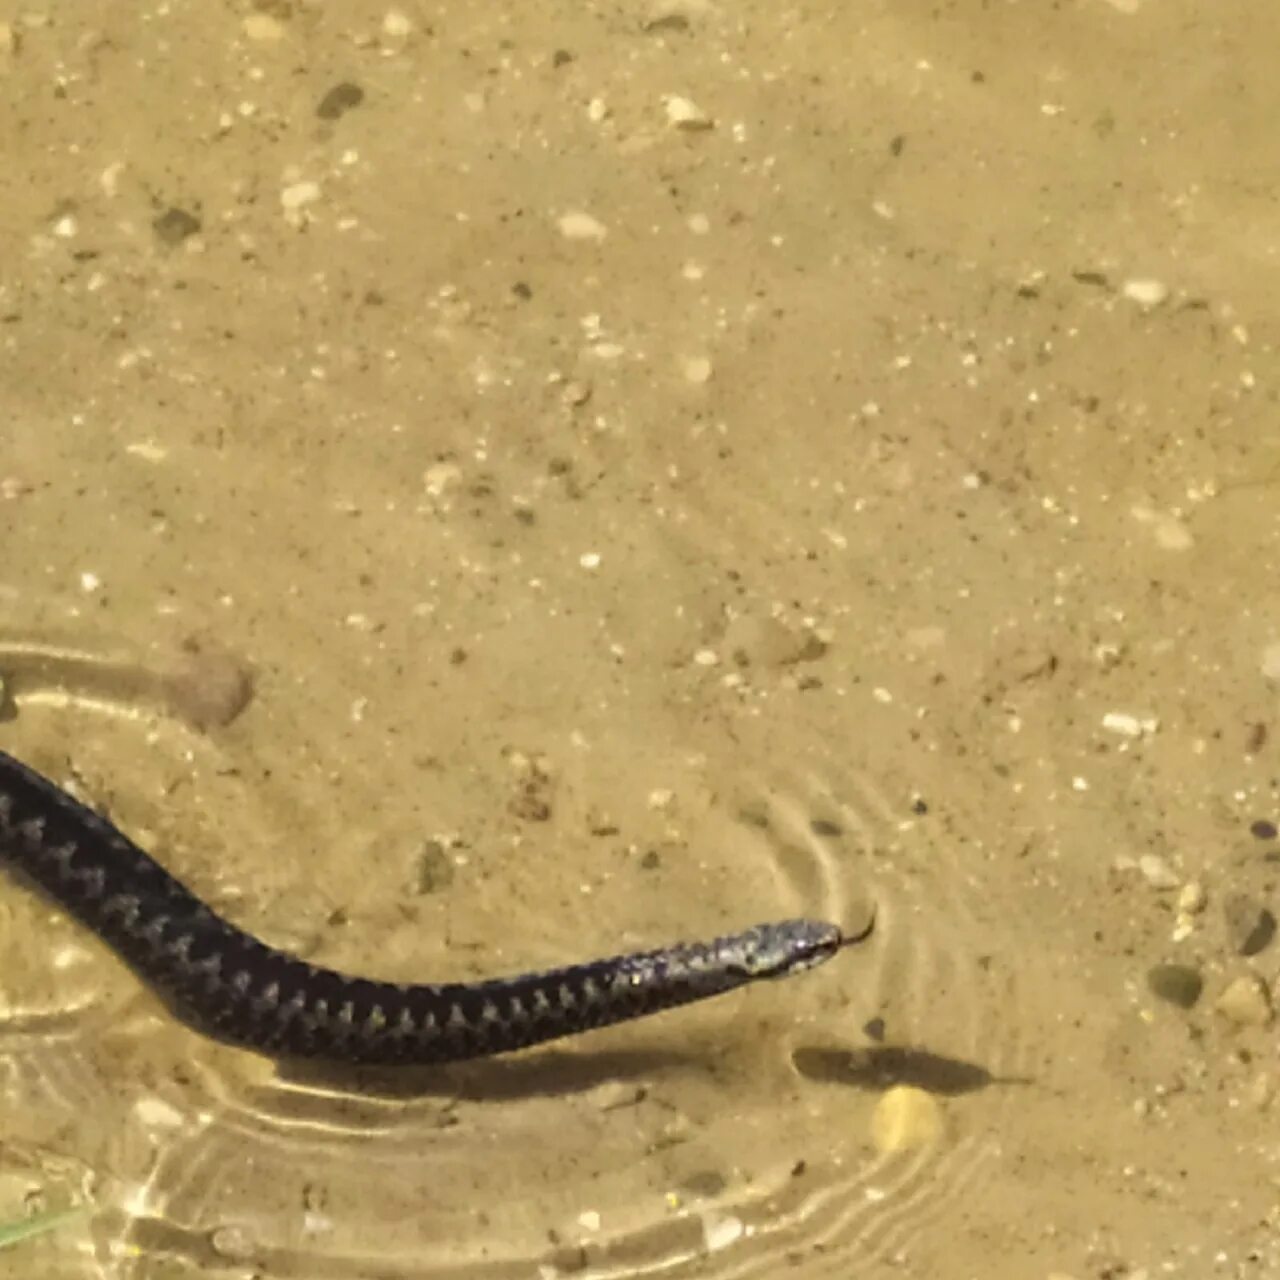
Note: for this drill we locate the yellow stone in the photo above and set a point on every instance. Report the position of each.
(905, 1119)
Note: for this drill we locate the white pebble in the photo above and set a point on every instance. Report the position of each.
(442, 476)
(298, 194)
(262, 27)
(589, 560)
(719, 1231)
(396, 23)
(157, 1113)
(697, 369)
(1271, 661)
(581, 226)
(1149, 293)
(706, 658)
(905, 1119)
(1192, 898)
(1157, 872)
(90, 582)
(684, 114)
(1129, 725)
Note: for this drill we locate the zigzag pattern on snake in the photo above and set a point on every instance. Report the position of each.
(229, 984)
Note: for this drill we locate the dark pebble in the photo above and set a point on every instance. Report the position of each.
(435, 868)
(1262, 829)
(1175, 983)
(1250, 926)
(175, 225)
(339, 100)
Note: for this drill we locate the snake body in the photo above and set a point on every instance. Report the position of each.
(231, 985)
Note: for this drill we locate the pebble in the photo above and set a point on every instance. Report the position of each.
(1250, 926)
(1260, 1091)
(581, 226)
(1147, 293)
(397, 24)
(175, 225)
(263, 28)
(1246, 1001)
(1157, 872)
(905, 1119)
(1129, 726)
(339, 100)
(298, 194)
(696, 369)
(435, 869)
(1271, 662)
(687, 115)
(1192, 898)
(720, 1230)
(1176, 984)
(206, 686)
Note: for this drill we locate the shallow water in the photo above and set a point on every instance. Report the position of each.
(487, 524)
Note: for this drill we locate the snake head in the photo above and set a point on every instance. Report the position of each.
(783, 948)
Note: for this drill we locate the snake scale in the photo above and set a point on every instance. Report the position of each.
(229, 984)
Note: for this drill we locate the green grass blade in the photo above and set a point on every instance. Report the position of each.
(36, 1225)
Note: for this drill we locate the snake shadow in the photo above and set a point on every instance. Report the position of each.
(540, 1073)
(884, 1066)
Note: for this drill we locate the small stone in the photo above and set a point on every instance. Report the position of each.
(8, 40)
(339, 100)
(397, 24)
(175, 225)
(905, 1119)
(696, 369)
(1260, 1091)
(263, 28)
(581, 226)
(1246, 1001)
(687, 115)
(1262, 829)
(1147, 293)
(298, 194)
(1157, 872)
(1176, 984)
(1192, 898)
(437, 480)
(205, 685)
(1271, 662)
(1129, 726)
(1250, 926)
(435, 868)
(720, 1230)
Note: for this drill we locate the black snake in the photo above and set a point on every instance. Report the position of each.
(227, 983)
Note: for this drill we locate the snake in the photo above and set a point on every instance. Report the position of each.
(232, 986)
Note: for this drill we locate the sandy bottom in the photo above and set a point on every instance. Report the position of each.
(487, 486)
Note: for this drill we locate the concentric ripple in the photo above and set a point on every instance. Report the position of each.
(724, 1140)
